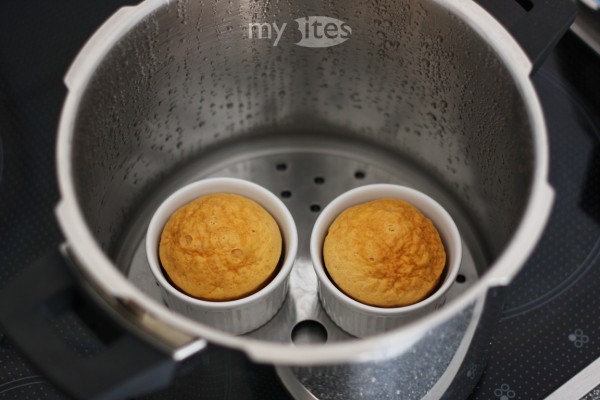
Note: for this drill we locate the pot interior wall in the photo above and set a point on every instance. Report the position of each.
(412, 80)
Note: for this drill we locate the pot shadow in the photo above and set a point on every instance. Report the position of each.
(580, 64)
(221, 373)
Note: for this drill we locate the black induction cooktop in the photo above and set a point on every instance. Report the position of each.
(550, 327)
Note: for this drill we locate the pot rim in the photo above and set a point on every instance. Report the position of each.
(111, 283)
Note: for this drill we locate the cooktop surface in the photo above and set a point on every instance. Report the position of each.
(550, 327)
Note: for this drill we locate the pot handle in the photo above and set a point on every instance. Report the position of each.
(537, 25)
(125, 365)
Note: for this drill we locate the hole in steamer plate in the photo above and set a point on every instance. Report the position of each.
(309, 332)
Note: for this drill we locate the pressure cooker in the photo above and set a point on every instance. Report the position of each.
(435, 95)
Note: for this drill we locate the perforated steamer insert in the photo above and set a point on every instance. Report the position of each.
(306, 172)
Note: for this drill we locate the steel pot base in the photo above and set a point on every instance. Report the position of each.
(424, 373)
(306, 171)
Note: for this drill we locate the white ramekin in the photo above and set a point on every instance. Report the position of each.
(236, 316)
(363, 320)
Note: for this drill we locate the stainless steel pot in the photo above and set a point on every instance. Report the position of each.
(432, 94)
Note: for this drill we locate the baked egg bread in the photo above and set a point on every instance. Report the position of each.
(384, 253)
(220, 247)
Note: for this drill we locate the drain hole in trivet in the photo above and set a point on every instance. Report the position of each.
(359, 174)
(281, 167)
(309, 332)
(286, 194)
(315, 208)
(319, 180)
(460, 278)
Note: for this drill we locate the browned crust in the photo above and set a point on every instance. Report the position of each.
(384, 253)
(220, 247)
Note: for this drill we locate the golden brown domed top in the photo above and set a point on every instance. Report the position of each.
(220, 247)
(384, 253)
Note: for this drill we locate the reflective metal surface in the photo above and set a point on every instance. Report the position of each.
(182, 83)
(171, 87)
(417, 374)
